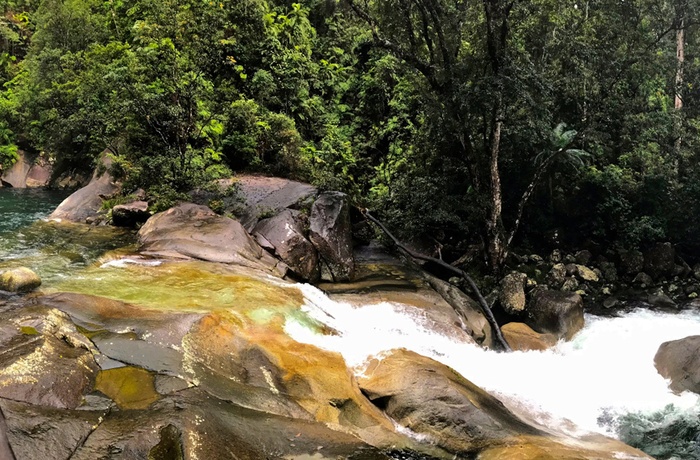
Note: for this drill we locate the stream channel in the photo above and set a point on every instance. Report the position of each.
(604, 380)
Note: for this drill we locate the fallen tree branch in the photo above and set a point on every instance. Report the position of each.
(461, 273)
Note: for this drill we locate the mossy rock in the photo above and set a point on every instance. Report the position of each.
(19, 279)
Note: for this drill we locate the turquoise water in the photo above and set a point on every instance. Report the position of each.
(53, 250)
(21, 207)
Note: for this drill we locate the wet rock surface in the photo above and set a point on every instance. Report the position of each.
(20, 279)
(556, 312)
(679, 362)
(521, 337)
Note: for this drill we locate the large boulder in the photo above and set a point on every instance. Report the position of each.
(512, 293)
(87, 202)
(20, 279)
(434, 401)
(265, 370)
(437, 404)
(130, 214)
(660, 260)
(285, 234)
(679, 362)
(556, 312)
(190, 231)
(469, 311)
(27, 171)
(521, 337)
(331, 232)
(268, 196)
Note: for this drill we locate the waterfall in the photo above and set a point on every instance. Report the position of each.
(605, 372)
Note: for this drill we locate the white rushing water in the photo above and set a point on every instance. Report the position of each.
(607, 368)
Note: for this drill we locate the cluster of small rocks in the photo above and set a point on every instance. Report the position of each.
(657, 277)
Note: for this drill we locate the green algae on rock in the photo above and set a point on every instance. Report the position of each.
(20, 279)
(130, 387)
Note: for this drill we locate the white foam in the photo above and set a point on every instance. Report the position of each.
(121, 263)
(609, 366)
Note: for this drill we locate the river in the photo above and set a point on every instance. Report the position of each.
(603, 381)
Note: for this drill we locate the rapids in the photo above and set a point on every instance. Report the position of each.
(603, 381)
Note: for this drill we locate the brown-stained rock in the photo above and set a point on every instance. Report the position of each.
(46, 361)
(267, 371)
(433, 400)
(20, 279)
(679, 362)
(521, 337)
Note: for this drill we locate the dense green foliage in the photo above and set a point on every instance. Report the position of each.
(456, 119)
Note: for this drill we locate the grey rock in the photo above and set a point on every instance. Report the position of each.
(631, 262)
(130, 214)
(556, 312)
(331, 232)
(190, 231)
(87, 201)
(285, 233)
(659, 261)
(643, 280)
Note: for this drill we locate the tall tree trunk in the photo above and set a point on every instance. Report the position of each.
(497, 13)
(497, 249)
(680, 59)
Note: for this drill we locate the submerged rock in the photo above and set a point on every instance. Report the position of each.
(679, 361)
(190, 231)
(556, 312)
(20, 279)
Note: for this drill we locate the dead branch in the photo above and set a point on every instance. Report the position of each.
(461, 273)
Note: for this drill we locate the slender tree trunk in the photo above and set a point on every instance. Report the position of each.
(680, 59)
(496, 245)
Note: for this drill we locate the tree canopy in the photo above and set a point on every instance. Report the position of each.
(467, 123)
